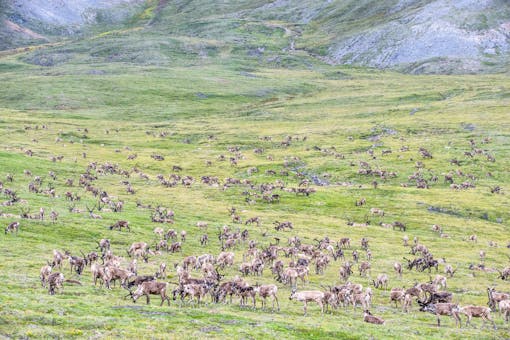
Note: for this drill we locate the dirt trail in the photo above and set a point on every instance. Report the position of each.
(288, 32)
(13, 27)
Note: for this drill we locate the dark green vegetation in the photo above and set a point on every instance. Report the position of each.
(188, 90)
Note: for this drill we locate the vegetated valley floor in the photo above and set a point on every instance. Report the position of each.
(192, 112)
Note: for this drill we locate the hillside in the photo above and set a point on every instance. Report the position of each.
(26, 23)
(414, 36)
(225, 112)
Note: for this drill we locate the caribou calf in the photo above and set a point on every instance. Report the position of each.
(477, 312)
(56, 280)
(138, 280)
(77, 263)
(397, 294)
(496, 297)
(439, 309)
(45, 273)
(266, 291)
(119, 225)
(104, 245)
(368, 317)
(504, 307)
(151, 287)
(364, 268)
(308, 296)
(381, 281)
(398, 268)
(12, 227)
(120, 274)
(102, 273)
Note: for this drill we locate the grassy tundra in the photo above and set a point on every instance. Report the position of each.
(190, 108)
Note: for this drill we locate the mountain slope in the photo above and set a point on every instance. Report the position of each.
(474, 32)
(36, 21)
(416, 36)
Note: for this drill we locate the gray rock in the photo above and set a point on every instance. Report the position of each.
(63, 13)
(436, 32)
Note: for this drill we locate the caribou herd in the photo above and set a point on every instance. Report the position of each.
(202, 278)
(229, 272)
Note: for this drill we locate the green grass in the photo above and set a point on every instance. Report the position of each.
(238, 98)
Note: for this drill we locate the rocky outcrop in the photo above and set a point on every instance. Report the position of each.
(465, 34)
